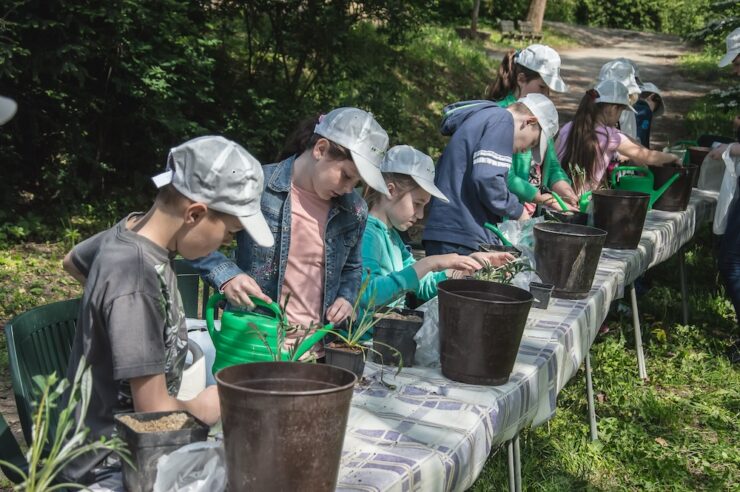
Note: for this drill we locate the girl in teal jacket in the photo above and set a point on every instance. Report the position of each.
(409, 175)
(535, 69)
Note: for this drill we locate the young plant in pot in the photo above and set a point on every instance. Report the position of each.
(397, 328)
(503, 274)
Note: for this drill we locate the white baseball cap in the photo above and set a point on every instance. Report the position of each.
(8, 107)
(547, 116)
(621, 70)
(546, 62)
(613, 92)
(404, 159)
(224, 176)
(358, 132)
(650, 87)
(733, 48)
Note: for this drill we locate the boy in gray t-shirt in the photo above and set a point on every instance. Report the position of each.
(131, 325)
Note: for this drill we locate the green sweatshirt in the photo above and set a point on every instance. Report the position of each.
(518, 178)
(388, 262)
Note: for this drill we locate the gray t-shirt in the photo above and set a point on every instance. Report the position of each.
(131, 324)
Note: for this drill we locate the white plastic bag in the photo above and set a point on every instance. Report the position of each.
(520, 232)
(711, 174)
(726, 192)
(197, 467)
(427, 338)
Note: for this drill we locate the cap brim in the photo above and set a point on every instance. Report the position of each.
(431, 188)
(555, 83)
(370, 173)
(539, 150)
(8, 107)
(257, 228)
(728, 58)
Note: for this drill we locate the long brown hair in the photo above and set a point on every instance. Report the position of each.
(404, 182)
(582, 146)
(506, 80)
(303, 138)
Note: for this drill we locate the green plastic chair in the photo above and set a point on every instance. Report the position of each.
(10, 451)
(188, 283)
(39, 343)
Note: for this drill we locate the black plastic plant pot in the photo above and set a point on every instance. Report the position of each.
(490, 248)
(399, 334)
(570, 217)
(567, 256)
(147, 447)
(676, 197)
(353, 361)
(481, 325)
(284, 424)
(541, 293)
(622, 215)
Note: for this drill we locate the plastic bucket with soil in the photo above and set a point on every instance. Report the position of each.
(567, 256)
(284, 424)
(621, 214)
(676, 197)
(149, 435)
(396, 329)
(352, 359)
(481, 325)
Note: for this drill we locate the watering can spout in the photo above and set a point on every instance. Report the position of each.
(655, 196)
(309, 342)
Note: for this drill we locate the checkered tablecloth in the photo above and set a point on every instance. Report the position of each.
(434, 434)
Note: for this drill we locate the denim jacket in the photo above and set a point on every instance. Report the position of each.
(342, 239)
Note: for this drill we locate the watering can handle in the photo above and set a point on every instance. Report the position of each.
(638, 169)
(583, 201)
(218, 297)
(498, 233)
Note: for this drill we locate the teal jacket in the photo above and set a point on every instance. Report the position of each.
(388, 263)
(518, 177)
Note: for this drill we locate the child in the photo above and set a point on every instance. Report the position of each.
(473, 168)
(317, 220)
(535, 69)
(409, 175)
(624, 71)
(649, 105)
(131, 326)
(591, 141)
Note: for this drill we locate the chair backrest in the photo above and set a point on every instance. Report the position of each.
(10, 451)
(526, 27)
(188, 283)
(39, 344)
(506, 26)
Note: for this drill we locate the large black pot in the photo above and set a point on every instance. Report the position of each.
(622, 215)
(481, 325)
(567, 256)
(284, 424)
(676, 197)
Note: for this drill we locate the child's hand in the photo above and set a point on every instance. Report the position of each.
(238, 289)
(454, 261)
(525, 215)
(208, 408)
(340, 310)
(716, 153)
(494, 258)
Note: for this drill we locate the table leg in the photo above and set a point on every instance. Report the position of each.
(590, 394)
(517, 465)
(638, 334)
(510, 459)
(684, 288)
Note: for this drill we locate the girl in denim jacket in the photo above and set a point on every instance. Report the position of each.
(317, 220)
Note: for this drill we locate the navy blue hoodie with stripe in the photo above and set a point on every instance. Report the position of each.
(472, 174)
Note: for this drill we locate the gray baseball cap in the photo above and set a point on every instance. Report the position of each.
(8, 107)
(546, 62)
(404, 159)
(650, 87)
(547, 116)
(358, 132)
(733, 48)
(224, 176)
(622, 70)
(613, 92)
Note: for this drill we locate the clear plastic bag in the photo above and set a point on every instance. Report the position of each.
(520, 232)
(427, 338)
(711, 174)
(197, 467)
(726, 192)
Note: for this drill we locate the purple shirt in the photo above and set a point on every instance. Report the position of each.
(608, 139)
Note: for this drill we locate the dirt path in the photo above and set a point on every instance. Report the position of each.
(657, 58)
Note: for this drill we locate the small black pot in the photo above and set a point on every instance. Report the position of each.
(541, 293)
(147, 447)
(346, 359)
(491, 248)
(572, 217)
(399, 334)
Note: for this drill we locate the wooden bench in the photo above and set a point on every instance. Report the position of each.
(507, 30)
(526, 30)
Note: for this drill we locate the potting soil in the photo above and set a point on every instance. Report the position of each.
(171, 422)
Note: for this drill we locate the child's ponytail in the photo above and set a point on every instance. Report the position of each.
(506, 80)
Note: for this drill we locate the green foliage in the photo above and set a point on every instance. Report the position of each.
(56, 444)
(505, 273)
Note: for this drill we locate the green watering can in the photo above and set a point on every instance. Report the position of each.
(642, 181)
(245, 335)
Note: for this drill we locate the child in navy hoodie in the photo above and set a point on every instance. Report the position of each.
(473, 169)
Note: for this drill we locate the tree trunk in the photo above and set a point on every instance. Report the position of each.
(536, 14)
(474, 22)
